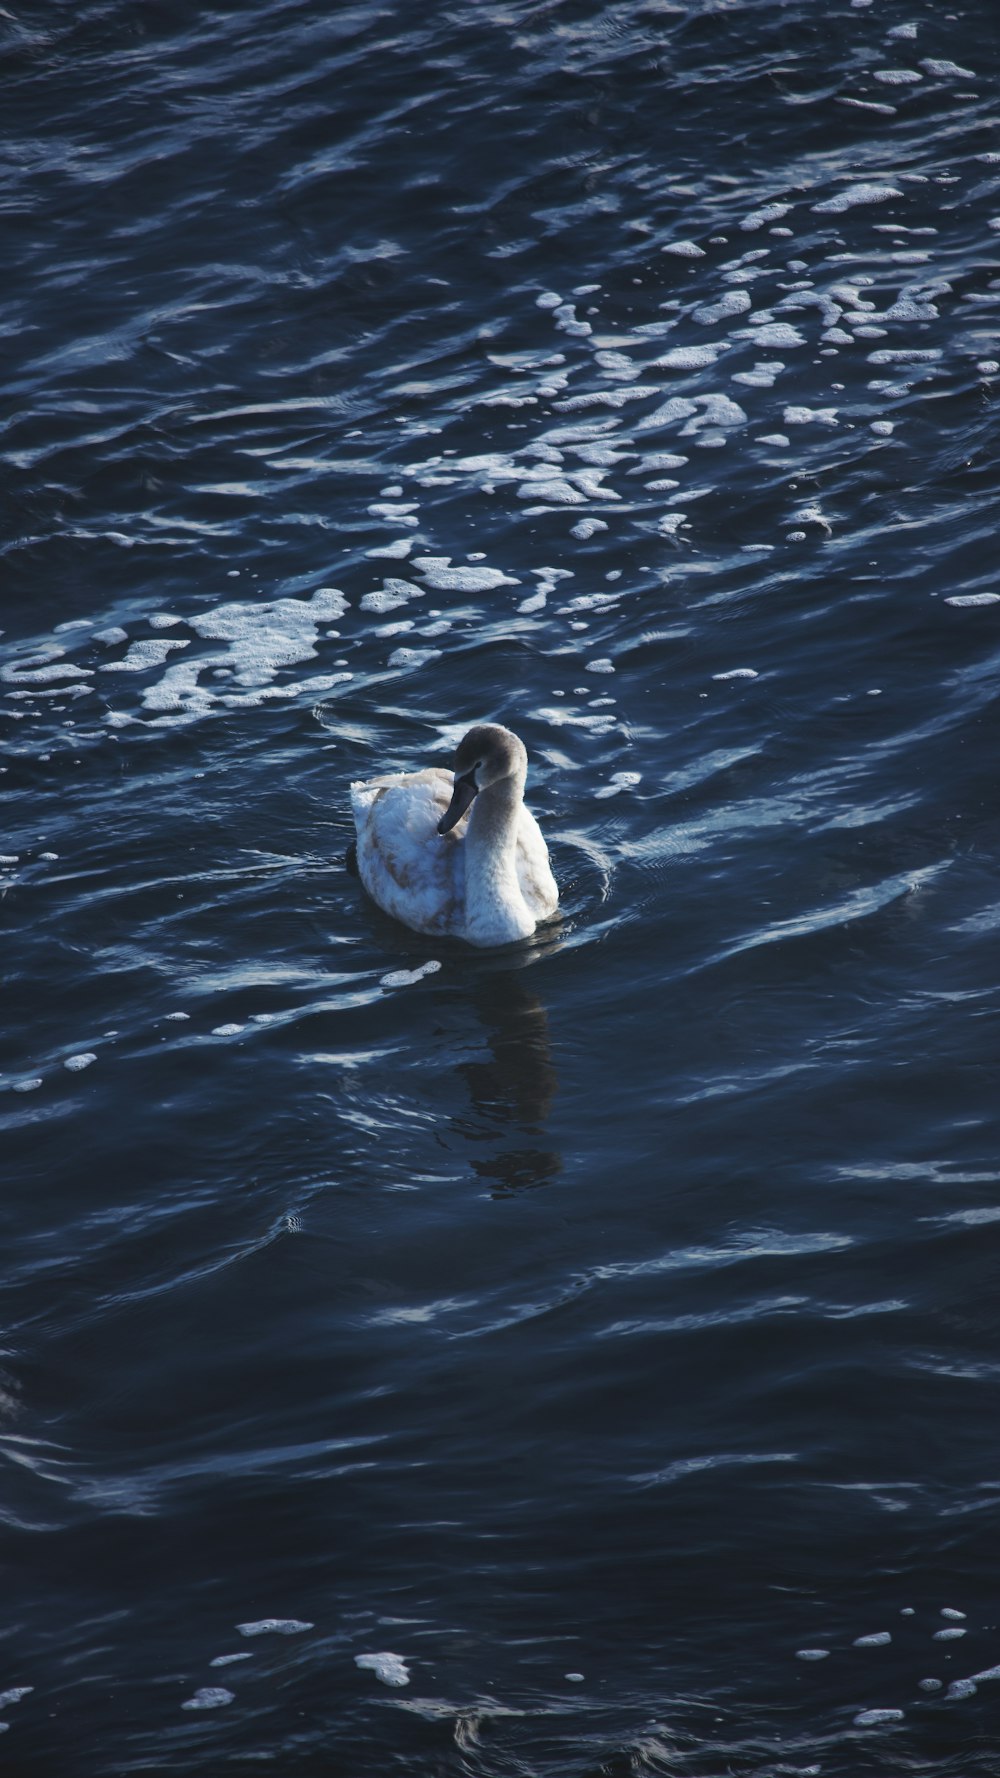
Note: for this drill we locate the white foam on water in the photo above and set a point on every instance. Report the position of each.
(853, 195)
(405, 978)
(662, 460)
(944, 70)
(883, 428)
(600, 666)
(780, 439)
(575, 1678)
(76, 1065)
(110, 636)
(987, 1673)
(950, 1611)
(445, 579)
(412, 657)
(897, 76)
(962, 1688)
(389, 1668)
(972, 599)
(209, 1697)
(760, 218)
(803, 416)
(951, 1635)
(548, 300)
(988, 367)
(394, 551)
(227, 1030)
(687, 357)
(14, 1695)
(391, 595)
(558, 493)
(143, 656)
(902, 31)
(227, 1660)
(811, 1654)
(28, 1086)
(280, 1626)
(878, 1639)
(869, 1719)
(178, 1015)
(931, 1685)
(734, 302)
(738, 673)
(771, 333)
(763, 376)
(14, 673)
(585, 528)
(684, 249)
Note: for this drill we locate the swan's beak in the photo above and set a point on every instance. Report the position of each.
(462, 795)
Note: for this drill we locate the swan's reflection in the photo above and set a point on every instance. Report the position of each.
(513, 1088)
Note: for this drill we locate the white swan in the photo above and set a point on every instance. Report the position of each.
(484, 876)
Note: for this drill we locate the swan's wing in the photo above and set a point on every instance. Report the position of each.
(534, 873)
(405, 865)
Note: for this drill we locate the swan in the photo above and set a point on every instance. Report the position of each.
(457, 854)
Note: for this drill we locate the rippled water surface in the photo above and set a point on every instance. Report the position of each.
(579, 1358)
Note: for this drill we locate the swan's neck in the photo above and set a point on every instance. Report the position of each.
(494, 904)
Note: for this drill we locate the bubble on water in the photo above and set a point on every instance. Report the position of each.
(857, 194)
(279, 1626)
(877, 1639)
(77, 1063)
(812, 1654)
(684, 249)
(869, 1719)
(389, 1668)
(405, 978)
(209, 1697)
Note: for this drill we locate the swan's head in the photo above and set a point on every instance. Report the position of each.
(485, 755)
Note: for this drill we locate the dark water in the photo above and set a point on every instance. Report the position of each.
(621, 1305)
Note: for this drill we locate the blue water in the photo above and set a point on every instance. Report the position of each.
(605, 1327)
